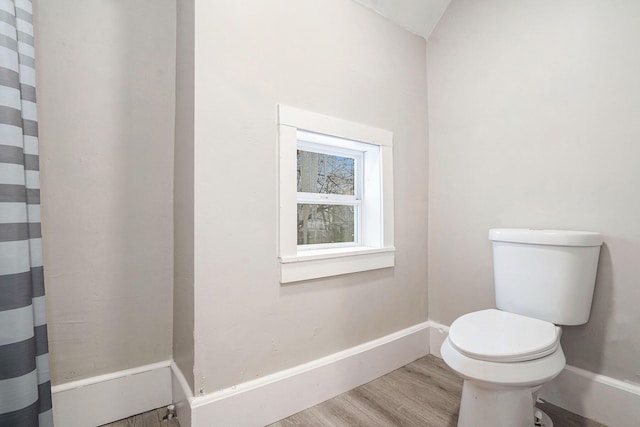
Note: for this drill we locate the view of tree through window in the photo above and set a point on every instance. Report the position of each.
(325, 174)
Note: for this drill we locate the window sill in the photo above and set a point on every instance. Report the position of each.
(315, 264)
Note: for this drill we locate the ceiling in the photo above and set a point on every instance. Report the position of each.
(418, 16)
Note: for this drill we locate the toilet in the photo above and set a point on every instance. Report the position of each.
(543, 279)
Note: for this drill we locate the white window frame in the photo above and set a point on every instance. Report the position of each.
(324, 144)
(375, 248)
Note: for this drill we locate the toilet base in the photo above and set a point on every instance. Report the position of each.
(499, 406)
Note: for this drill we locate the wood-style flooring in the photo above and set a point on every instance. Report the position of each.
(148, 419)
(425, 393)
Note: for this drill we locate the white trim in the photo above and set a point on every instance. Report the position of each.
(437, 334)
(106, 398)
(312, 255)
(182, 395)
(184, 391)
(108, 377)
(376, 214)
(327, 199)
(276, 396)
(333, 126)
(601, 398)
(287, 194)
(595, 396)
(301, 267)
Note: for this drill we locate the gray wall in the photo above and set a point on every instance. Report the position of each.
(533, 112)
(332, 57)
(183, 193)
(106, 72)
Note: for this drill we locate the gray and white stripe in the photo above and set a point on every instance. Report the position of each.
(25, 388)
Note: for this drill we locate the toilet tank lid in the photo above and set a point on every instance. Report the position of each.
(545, 237)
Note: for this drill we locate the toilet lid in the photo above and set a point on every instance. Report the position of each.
(498, 336)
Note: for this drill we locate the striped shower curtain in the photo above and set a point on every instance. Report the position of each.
(25, 389)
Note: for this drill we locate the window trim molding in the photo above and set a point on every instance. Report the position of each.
(311, 264)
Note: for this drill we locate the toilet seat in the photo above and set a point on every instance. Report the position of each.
(498, 336)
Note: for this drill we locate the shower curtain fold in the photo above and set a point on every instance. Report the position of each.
(25, 388)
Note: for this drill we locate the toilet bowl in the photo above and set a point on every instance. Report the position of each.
(504, 358)
(542, 278)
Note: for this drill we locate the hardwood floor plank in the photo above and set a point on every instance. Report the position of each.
(404, 394)
(371, 402)
(148, 419)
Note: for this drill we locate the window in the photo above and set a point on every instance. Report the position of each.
(329, 193)
(335, 198)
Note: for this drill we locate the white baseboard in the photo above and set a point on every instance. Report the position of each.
(604, 399)
(182, 395)
(106, 398)
(276, 396)
(437, 334)
(609, 401)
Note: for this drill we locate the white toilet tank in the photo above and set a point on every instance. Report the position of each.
(545, 274)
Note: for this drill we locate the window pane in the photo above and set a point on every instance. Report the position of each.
(325, 173)
(325, 224)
